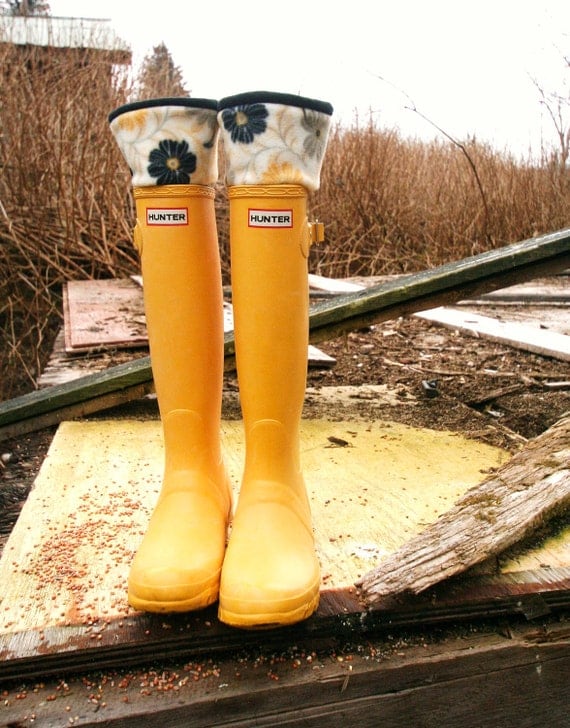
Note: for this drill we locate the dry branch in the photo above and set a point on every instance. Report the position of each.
(501, 511)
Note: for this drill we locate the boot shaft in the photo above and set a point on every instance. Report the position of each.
(270, 295)
(274, 146)
(170, 146)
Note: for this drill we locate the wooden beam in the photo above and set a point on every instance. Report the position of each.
(445, 284)
(511, 677)
(69, 409)
(484, 680)
(408, 294)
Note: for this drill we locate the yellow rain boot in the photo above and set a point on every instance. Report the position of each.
(274, 145)
(171, 147)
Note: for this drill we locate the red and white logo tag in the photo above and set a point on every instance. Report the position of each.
(270, 218)
(167, 216)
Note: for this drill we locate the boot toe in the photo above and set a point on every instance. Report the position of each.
(257, 606)
(178, 564)
(172, 589)
(271, 574)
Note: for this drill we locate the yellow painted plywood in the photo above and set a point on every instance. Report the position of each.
(372, 485)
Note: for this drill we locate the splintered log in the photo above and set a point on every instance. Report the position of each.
(501, 511)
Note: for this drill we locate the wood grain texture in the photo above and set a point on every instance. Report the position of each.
(372, 486)
(493, 515)
(99, 313)
(483, 681)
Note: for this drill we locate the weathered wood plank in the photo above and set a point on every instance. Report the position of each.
(446, 284)
(555, 317)
(409, 294)
(145, 638)
(45, 406)
(99, 313)
(331, 285)
(74, 410)
(555, 290)
(501, 511)
(519, 336)
(486, 680)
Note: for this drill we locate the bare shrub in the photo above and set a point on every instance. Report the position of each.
(389, 204)
(394, 205)
(65, 205)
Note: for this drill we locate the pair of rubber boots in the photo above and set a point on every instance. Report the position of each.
(268, 572)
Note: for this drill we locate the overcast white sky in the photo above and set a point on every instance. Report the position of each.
(467, 67)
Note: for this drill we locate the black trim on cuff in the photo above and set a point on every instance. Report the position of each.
(173, 101)
(273, 97)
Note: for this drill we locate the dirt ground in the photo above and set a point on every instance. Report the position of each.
(453, 379)
(404, 370)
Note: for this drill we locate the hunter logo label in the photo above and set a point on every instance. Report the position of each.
(167, 216)
(270, 218)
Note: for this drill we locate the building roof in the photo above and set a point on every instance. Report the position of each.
(95, 33)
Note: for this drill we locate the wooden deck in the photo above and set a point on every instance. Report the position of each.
(64, 566)
(487, 649)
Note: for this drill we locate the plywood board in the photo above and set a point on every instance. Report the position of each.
(333, 285)
(545, 290)
(372, 485)
(545, 317)
(102, 314)
(519, 336)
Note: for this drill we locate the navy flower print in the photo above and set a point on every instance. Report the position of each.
(244, 122)
(273, 139)
(316, 126)
(172, 163)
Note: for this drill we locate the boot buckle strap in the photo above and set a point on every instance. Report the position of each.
(316, 232)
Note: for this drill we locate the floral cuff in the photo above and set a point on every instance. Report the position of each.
(274, 138)
(168, 141)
